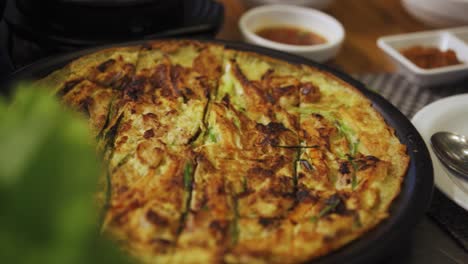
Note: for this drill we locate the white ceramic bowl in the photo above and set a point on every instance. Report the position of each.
(307, 18)
(318, 4)
(441, 39)
(437, 13)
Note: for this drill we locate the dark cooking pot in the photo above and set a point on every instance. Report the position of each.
(129, 17)
(2, 7)
(407, 209)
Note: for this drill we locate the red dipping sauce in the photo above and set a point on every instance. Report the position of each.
(291, 35)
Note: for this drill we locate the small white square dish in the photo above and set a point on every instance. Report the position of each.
(461, 33)
(443, 40)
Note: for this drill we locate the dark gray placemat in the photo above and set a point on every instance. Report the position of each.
(409, 99)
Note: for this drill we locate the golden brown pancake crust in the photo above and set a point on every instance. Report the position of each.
(222, 156)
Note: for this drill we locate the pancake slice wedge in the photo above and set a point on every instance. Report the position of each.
(229, 128)
(89, 98)
(207, 232)
(150, 198)
(261, 93)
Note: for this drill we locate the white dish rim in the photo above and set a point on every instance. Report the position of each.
(444, 181)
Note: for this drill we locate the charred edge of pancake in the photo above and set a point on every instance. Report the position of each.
(84, 105)
(174, 74)
(195, 136)
(135, 88)
(108, 118)
(239, 74)
(295, 147)
(112, 134)
(267, 222)
(67, 87)
(272, 128)
(338, 204)
(105, 65)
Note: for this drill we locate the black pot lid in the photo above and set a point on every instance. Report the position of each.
(86, 23)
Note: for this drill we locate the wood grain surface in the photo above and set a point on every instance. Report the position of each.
(364, 21)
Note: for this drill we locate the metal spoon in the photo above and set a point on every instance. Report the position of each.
(452, 151)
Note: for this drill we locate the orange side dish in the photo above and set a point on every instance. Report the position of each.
(291, 35)
(430, 57)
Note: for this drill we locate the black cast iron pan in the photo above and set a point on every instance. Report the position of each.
(407, 209)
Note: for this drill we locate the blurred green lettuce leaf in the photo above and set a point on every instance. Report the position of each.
(48, 183)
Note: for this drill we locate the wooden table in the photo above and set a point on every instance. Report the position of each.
(364, 22)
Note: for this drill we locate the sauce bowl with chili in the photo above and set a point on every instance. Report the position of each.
(299, 30)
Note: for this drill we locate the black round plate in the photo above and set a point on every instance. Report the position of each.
(407, 209)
